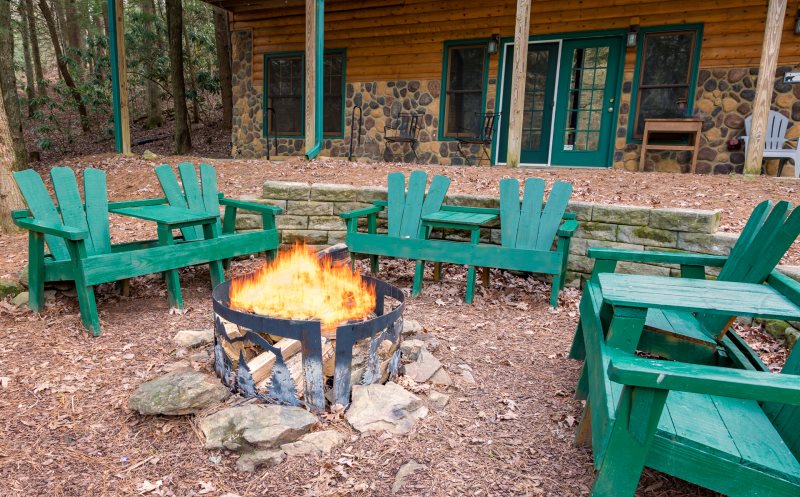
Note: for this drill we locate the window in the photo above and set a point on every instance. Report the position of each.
(465, 86)
(667, 70)
(284, 84)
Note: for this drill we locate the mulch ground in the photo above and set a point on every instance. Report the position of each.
(65, 428)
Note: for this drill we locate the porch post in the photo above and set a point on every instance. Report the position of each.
(764, 86)
(315, 49)
(519, 69)
(119, 78)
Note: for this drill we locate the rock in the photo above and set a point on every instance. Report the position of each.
(148, 155)
(410, 349)
(316, 443)
(792, 334)
(21, 299)
(184, 391)
(261, 427)
(404, 472)
(439, 400)
(252, 460)
(776, 327)
(430, 341)
(410, 326)
(193, 338)
(695, 221)
(424, 367)
(9, 287)
(384, 408)
(467, 377)
(441, 378)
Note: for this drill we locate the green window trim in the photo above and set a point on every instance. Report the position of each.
(443, 88)
(693, 73)
(265, 93)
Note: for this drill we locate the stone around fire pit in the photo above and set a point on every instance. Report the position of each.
(256, 427)
(193, 338)
(252, 460)
(316, 443)
(180, 392)
(386, 407)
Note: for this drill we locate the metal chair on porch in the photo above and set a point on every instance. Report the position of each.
(402, 129)
(481, 134)
(776, 141)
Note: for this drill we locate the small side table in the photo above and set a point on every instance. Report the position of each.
(168, 218)
(679, 125)
(468, 221)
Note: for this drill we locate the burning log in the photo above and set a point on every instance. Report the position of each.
(261, 365)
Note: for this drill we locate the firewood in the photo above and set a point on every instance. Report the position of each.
(261, 366)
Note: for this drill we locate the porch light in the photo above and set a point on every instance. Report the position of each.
(494, 44)
(633, 34)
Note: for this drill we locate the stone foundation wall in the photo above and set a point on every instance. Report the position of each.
(723, 99)
(311, 215)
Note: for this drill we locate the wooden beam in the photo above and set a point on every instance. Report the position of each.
(119, 78)
(315, 32)
(776, 11)
(519, 69)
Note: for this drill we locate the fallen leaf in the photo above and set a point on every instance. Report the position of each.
(147, 487)
(4, 381)
(205, 487)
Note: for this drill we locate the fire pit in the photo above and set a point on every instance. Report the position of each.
(302, 350)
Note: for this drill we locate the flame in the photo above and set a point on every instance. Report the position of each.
(299, 285)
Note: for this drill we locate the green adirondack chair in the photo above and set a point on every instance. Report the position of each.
(700, 338)
(734, 431)
(80, 249)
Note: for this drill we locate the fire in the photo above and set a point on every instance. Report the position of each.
(299, 285)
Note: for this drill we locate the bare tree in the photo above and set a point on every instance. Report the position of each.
(224, 64)
(8, 86)
(30, 83)
(10, 198)
(62, 63)
(187, 49)
(72, 30)
(183, 140)
(41, 90)
(152, 90)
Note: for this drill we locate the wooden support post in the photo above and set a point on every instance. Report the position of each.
(119, 78)
(315, 36)
(764, 87)
(518, 72)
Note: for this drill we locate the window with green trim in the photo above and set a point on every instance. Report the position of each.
(285, 90)
(465, 87)
(668, 59)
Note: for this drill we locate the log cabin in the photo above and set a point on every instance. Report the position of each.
(570, 82)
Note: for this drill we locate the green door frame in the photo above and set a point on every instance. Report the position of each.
(559, 37)
(541, 156)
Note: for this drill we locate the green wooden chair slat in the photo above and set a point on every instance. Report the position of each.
(509, 212)
(41, 205)
(80, 244)
(397, 202)
(208, 178)
(94, 188)
(172, 190)
(435, 197)
(552, 214)
(415, 196)
(530, 217)
(69, 201)
(191, 190)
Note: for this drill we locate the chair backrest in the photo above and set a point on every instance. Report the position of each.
(406, 125)
(777, 124)
(71, 211)
(483, 129)
(529, 226)
(200, 196)
(786, 418)
(406, 208)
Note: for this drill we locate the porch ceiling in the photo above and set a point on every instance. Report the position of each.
(290, 7)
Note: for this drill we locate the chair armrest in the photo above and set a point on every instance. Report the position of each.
(652, 256)
(568, 227)
(632, 370)
(251, 206)
(366, 211)
(56, 229)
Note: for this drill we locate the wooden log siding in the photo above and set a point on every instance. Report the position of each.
(396, 40)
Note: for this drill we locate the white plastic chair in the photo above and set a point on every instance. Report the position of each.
(776, 141)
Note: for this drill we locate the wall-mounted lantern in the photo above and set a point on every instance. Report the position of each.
(494, 44)
(632, 37)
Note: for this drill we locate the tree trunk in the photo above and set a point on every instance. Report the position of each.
(192, 78)
(183, 141)
(62, 64)
(152, 90)
(72, 30)
(41, 90)
(61, 19)
(224, 64)
(8, 85)
(30, 84)
(10, 198)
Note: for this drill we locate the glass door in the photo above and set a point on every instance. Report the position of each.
(540, 80)
(587, 102)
